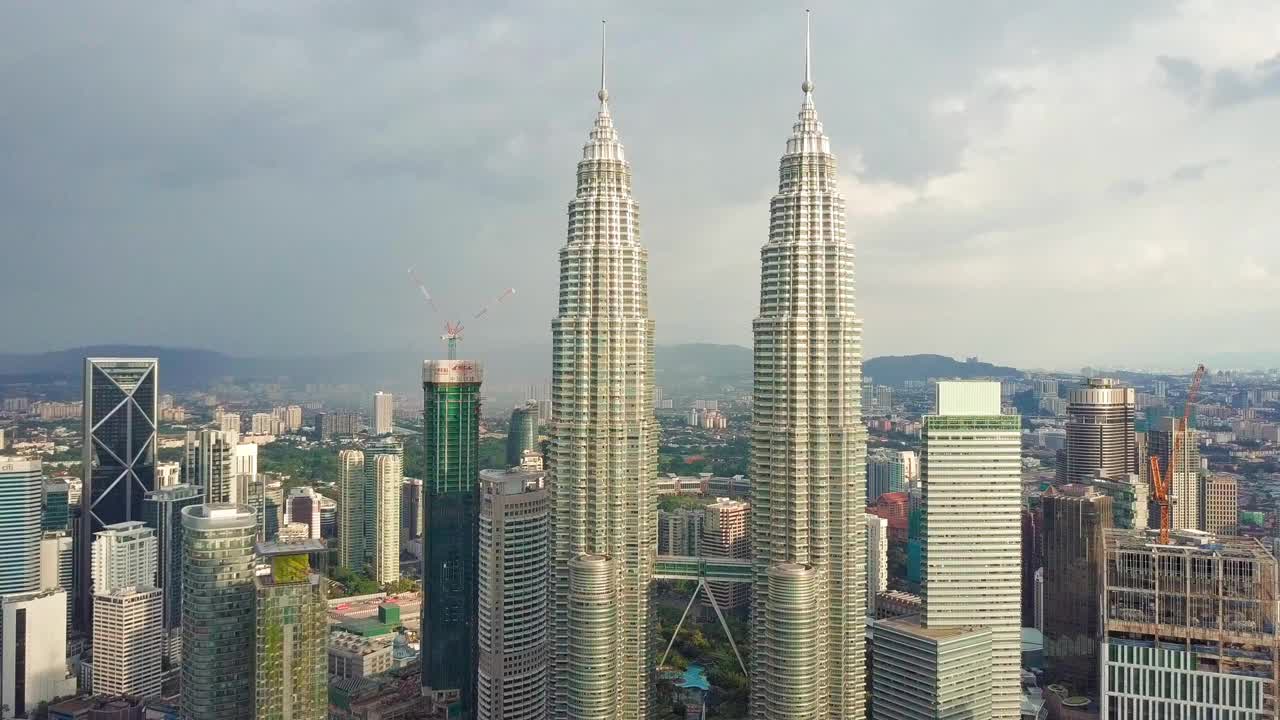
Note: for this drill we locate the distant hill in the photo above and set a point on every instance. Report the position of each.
(896, 369)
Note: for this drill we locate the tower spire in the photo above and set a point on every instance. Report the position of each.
(807, 85)
(604, 44)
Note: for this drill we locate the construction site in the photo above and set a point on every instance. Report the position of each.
(1189, 620)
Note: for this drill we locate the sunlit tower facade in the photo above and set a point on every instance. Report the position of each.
(808, 447)
(603, 448)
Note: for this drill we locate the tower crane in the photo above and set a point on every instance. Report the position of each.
(1160, 486)
(453, 329)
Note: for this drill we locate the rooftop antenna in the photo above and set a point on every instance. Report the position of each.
(807, 85)
(604, 45)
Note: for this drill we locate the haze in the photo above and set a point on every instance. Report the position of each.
(1046, 185)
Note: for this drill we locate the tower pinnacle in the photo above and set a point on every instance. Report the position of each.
(807, 85)
(604, 43)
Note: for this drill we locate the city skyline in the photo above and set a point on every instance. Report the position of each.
(944, 168)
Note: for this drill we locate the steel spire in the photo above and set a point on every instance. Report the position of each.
(604, 44)
(807, 85)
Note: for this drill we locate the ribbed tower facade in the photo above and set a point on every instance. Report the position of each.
(808, 447)
(604, 448)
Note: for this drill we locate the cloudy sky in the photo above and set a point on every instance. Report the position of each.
(1035, 183)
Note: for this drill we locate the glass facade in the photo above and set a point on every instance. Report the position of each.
(291, 639)
(218, 612)
(522, 434)
(20, 490)
(162, 512)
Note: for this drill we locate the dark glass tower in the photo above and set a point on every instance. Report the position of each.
(451, 437)
(119, 457)
(162, 511)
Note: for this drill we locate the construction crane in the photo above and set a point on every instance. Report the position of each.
(1161, 486)
(453, 329)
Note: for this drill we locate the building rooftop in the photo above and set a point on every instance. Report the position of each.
(913, 624)
(1188, 541)
(275, 547)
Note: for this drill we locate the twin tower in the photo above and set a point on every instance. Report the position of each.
(808, 447)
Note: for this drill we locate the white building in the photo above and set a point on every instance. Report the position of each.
(227, 422)
(877, 559)
(388, 476)
(383, 411)
(972, 482)
(808, 447)
(930, 673)
(128, 611)
(33, 638)
(168, 473)
(209, 463)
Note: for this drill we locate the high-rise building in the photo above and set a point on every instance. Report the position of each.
(1075, 517)
(522, 434)
(808, 443)
(291, 655)
(1219, 503)
(1032, 560)
(168, 473)
(972, 480)
(57, 506)
(385, 481)
(303, 506)
(383, 408)
(352, 551)
(511, 680)
(930, 673)
(1100, 416)
(328, 518)
(33, 651)
(1129, 506)
(119, 454)
(210, 463)
(1190, 627)
(1183, 475)
(680, 531)
(128, 612)
(604, 446)
(228, 422)
(877, 559)
(271, 504)
(21, 526)
(218, 612)
(244, 470)
(451, 439)
(891, 471)
(57, 558)
(411, 516)
(162, 511)
(726, 533)
(263, 424)
(336, 424)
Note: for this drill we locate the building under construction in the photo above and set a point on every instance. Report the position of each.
(1190, 627)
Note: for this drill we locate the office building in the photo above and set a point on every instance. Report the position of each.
(271, 504)
(292, 634)
(328, 518)
(1130, 508)
(57, 506)
(383, 411)
(808, 445)
(726, 533)
(511, 680)
(211, 463)
(33, 651)
(877, 559)
(603, 445)
(522, 433)
(411, 515)
(930, 673)
(354, 656)
(162, 512)
(891, 471)
(303, 506)
(1100, 418)
(218, 635)
(57, 560)
(972, 480)
(1190, 627)
(118, 457)
(1075, 518)
(353, 551)
(128, 611)
(1219, 503)
(385, 481)
(680, 531)
(21, 524)
(1182, 474)
(451, 439)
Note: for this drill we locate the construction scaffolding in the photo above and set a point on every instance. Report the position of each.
(1209, 601)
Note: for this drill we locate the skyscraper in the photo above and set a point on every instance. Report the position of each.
(57, 506)
(303, 506)
(352, 552)
(1219, 504)
(451, 438)
(385, 481)
(972, 481)
(33, 651)
(511, 682)
(604, 446)
(877, 559)
(924, 673)
(808, 443)
(211, 463)
(218, 612)
(21, 487)
(522, 434)
(1100, 438)
(726, 533)
(119, 455)
(1181, 474)
(291, 653)
(383, 408)
(1075, 517)
(162, 511)
(128, 612)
